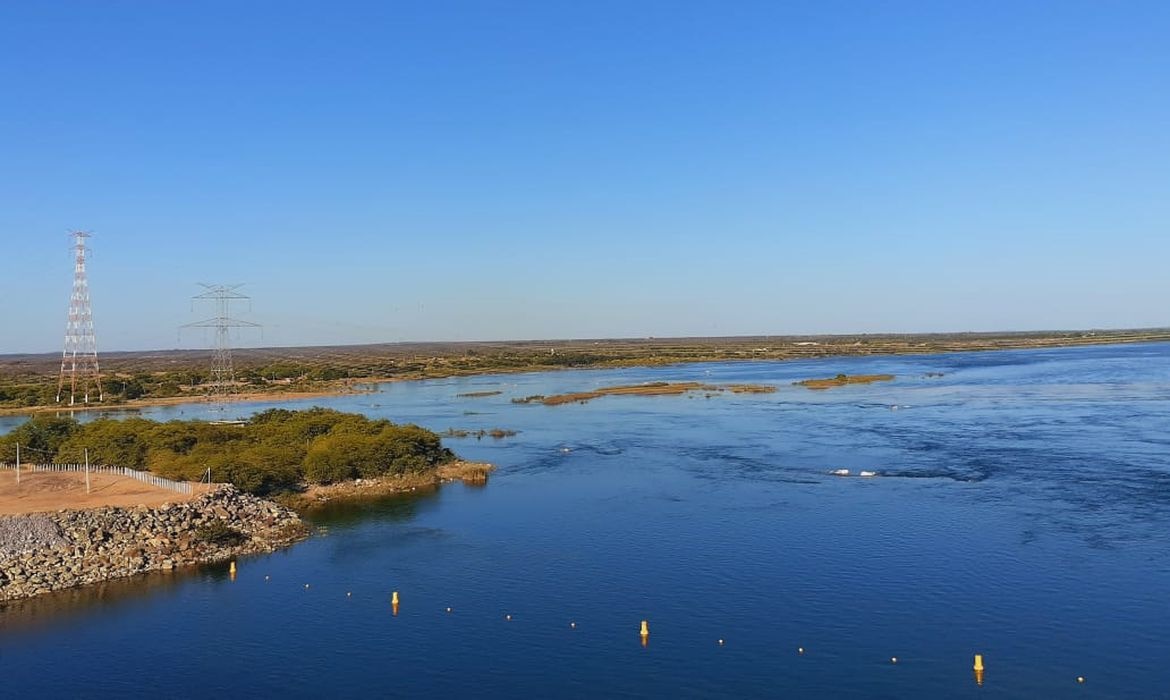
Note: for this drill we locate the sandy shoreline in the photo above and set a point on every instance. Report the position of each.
(358, 490)
(243, 397)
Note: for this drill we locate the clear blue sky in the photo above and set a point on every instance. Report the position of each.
(388, 171)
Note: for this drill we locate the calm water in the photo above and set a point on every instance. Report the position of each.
(1022, 513)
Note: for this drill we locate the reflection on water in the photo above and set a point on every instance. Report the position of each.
(63, 606)
(336, 515)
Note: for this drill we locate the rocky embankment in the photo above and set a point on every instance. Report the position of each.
(45, 552)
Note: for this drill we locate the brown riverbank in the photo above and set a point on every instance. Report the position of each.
(339, 389)
(316, 496)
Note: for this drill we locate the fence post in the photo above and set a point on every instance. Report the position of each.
(18, 464)
(86, 471)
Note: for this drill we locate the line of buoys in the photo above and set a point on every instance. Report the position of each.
(644, 632)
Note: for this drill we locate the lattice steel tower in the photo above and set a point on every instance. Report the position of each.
(223, 376)
(79, 361)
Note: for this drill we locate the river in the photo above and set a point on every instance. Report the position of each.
(1020, 512)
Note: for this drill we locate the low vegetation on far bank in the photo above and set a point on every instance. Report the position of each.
(274, 451)
(29, 382)
(844, 379)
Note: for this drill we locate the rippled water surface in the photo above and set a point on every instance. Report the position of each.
(1021, 512)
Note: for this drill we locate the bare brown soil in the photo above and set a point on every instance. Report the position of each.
(40, 492)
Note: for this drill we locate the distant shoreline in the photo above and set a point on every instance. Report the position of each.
(447, 360)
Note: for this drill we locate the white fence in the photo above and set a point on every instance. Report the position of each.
(145, 477)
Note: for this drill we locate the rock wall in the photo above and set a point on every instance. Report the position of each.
(45, 552)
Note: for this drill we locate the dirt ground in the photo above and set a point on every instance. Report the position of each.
(39, 492)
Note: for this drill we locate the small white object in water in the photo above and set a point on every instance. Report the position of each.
(865, 473)
(565, 450)
(840, 472)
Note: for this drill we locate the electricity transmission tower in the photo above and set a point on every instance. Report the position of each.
(79, 361)
(223, 377)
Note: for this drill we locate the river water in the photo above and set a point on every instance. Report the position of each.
(1021, 511)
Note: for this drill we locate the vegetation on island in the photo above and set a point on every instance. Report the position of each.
(648, 389)
(276, 450)
(494, 433)
(844, 379)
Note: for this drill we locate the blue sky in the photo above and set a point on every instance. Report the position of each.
(394, 171)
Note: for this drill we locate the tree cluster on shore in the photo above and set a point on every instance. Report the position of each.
(273, 451)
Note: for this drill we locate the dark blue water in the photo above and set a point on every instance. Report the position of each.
(1022, 512)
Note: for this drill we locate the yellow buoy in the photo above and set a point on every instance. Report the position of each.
(645, 628)
(232, 568)
(394, 598)
(979, 662)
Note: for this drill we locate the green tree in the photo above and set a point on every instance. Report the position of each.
(120, 443)
(40, 437)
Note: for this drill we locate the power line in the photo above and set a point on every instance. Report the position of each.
(79, 361)
(223, 376)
